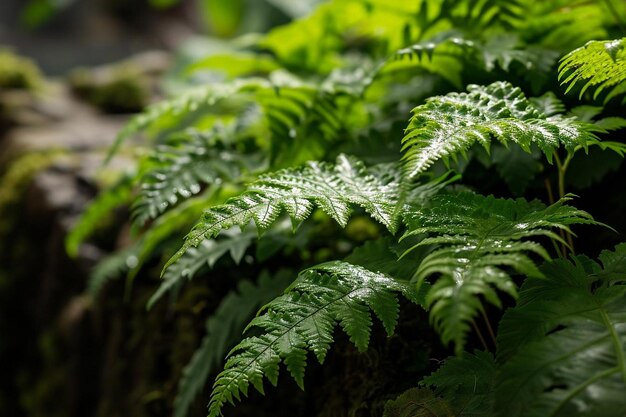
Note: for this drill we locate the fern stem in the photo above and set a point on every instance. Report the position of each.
(489, 328)
(561, 174)
(480, 336)
(562, 168)
(559, 250)
(548, 185)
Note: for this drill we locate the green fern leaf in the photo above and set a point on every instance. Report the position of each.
(549, 104)
(304, 319)
(418, 402)
(169, 227)
(334, 188)
(476, 241)
(179, 170)
(182, 104)
(286, 103)
(445, 45)
(600, 65)
(516, 167)
(448, 125)
(471, 15)
(562, 349)
(557, 24)
(222, 330)
(502, 50)
(467, 383)
(208, 253)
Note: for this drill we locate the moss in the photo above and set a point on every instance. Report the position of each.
(119, 89)
(14, 182)
(40, 395)
(17, 72)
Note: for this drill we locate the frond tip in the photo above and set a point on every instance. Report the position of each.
(598, 64)
(304, 319)
(446, 126)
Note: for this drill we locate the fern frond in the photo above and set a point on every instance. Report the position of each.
(477, 240)
(516, 167)
(549, 104)
(557, 24)
(448, 45)
(180, 169)
(600, 65)
(503, 50)
(446, 126)
(170, 225)
(471, 15)
(299, 119)
(222, 330)
(332, 187)
(182, 104)
(208, 253)
(418, 402)
(562, 349)
(467, 383)
(116, 196)
(304, 319)
(287, 102)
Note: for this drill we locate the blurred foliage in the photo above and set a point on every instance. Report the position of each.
(37, 12)
(221, 18)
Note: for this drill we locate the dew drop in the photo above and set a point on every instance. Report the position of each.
(132, 261)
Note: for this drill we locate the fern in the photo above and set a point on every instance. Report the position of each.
(179, 170)
(472, 15)
(428, 48)
(181, 105)
(304, 319)
(600, 65)
(497, 51)
(557, 24)
(448, 125)
(334, 188)
(207, 253)
(417, 402)
(466, 382)
(169, 226)
(222, 330)
(287, 103)
(231, 241)
(562, 348)
(476, 241)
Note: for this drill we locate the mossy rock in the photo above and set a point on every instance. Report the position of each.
(118, 89)
(17, 72)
